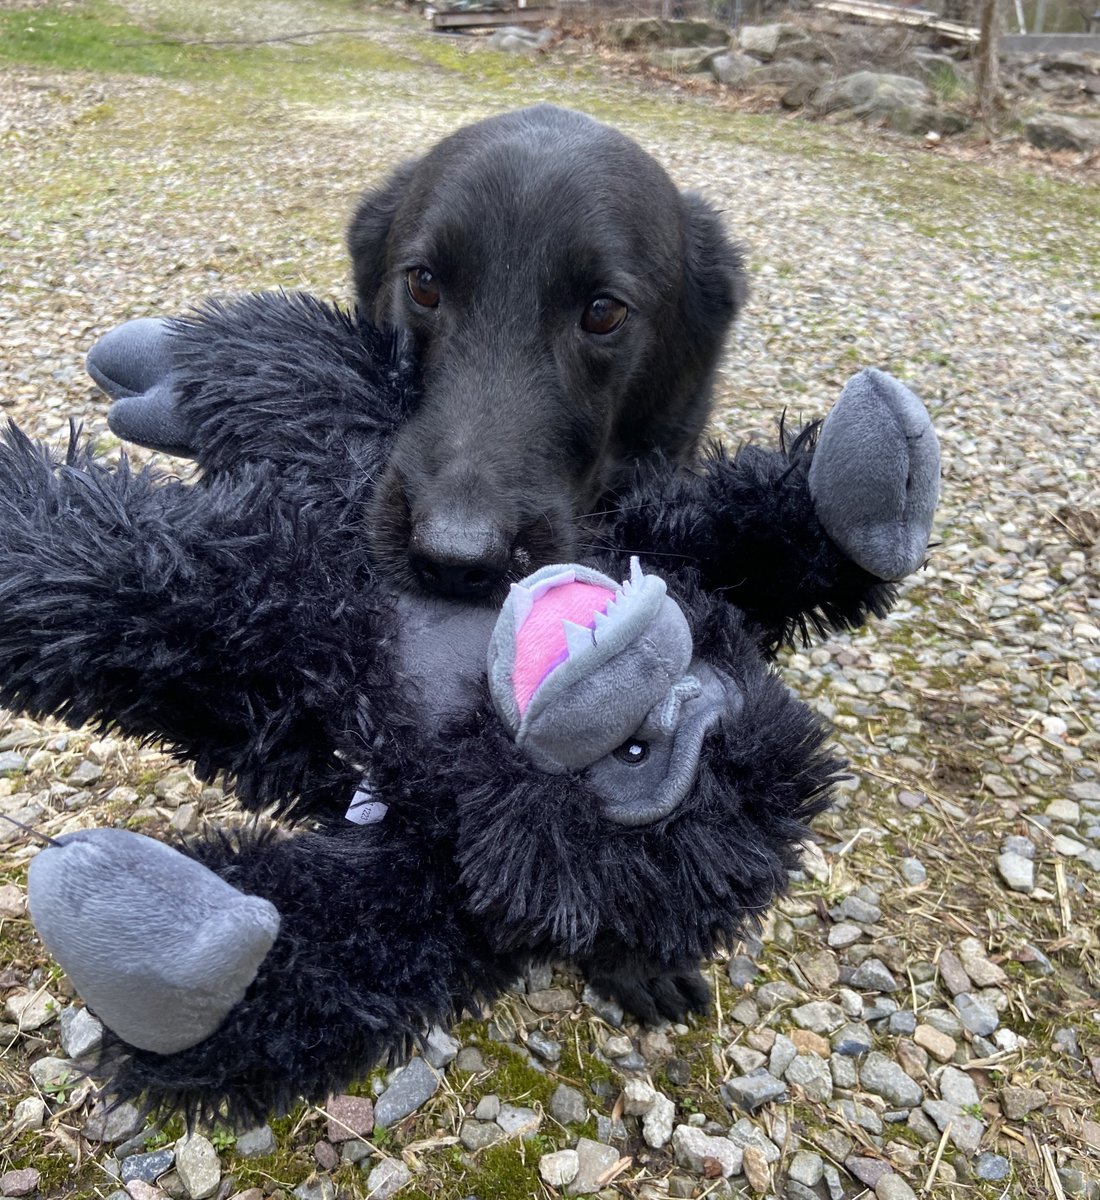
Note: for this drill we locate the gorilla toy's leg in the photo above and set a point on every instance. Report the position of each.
(369, 953)
(223, 619)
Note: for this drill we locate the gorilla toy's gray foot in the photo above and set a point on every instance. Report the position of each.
(133, 365)
(158, 946)
(875, 475)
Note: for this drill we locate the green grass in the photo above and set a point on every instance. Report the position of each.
(99, 37)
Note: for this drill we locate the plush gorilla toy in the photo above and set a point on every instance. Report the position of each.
(594, 772)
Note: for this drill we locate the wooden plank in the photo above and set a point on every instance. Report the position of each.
(889, 15)
(486, 20)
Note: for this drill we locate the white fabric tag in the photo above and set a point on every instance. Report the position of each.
(364, 809)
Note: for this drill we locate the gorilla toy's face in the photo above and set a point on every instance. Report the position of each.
(649, 781)
(595, 677)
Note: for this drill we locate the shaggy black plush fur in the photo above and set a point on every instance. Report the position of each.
(241, 621)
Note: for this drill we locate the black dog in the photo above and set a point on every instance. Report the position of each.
(568, 304)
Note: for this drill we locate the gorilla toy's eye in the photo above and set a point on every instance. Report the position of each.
(423, 287)
(603, 315)
(633, 752)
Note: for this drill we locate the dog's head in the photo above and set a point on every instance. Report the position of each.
(568, 304)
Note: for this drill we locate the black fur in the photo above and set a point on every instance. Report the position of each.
(241, 620)
(524, 418)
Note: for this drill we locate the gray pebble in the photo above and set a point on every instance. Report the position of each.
(783, 1054)
(610, 1130)
(990, 1167)
(966, 1131)
(593, 1160)
(488, 1107)
(146, 1167)
(112, 1125)
(568, 1106)
(819, 1016)
(752, 1091)
(956, 1087)
(854, 908)
(812, 1075)
(470, 1059)
(742, 970)
(12, 763)
(546, 1048)
(256, 1142)
(844, 1071)
(1017, 872)
(81, 1033)
(478, 1135)
(387, 1179)
(912, 871)
(416, 1084)
(198, 1166)
(440, 1048)
(903, 1022)
(745, 1134)
(84, 773)
(852, 1038)
(976, 1015)
(893, 1187)
(885, 1078)
(518, 1121)
(872, 975)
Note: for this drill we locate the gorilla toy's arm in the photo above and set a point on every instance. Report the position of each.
(271, 377)
(206, 617)
(814, 533)
(324, 954)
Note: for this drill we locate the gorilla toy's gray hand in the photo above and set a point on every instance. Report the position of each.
(158, 946)
(875, 475)
(133, 365)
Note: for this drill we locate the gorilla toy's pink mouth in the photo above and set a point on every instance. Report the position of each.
(561, 608)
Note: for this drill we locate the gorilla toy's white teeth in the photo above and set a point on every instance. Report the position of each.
(578, 639)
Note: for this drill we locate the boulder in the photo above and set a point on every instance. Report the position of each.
(764, 40)
(733, 68)
(927, 118)
(644, 32)
(688, 61)
(1057, 131)
(870, 94)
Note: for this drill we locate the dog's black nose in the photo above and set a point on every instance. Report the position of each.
(453, 556)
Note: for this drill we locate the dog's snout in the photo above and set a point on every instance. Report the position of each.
(459, 556)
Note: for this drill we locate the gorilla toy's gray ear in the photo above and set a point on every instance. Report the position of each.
(133, 365)
(875, 475)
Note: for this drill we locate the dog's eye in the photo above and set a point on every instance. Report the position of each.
(633, 752)
(605, 314)
(423, 287)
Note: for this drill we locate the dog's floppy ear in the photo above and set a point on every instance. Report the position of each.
(716, 287)
(369, 230)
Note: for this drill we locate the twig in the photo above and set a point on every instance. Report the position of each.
(930, 1178)
(1063, 896)
(1052, 1172)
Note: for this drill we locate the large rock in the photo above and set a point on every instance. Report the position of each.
(732, 68)
(688, 61)
(644, 32)
(1057, 131)
(870, 94)
(764, 40)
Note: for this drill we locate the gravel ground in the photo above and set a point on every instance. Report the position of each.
(921, 1015)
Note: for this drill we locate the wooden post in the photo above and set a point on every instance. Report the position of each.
(987, 73)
